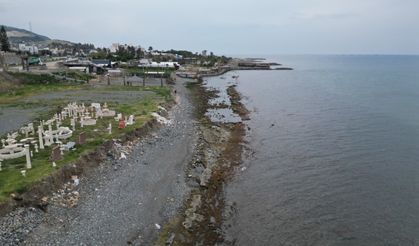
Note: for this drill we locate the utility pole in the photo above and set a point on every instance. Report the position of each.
(161, 77)
(144, 76)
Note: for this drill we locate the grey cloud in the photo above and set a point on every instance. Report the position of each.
(234, 26)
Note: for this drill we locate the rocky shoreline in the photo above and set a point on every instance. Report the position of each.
(216, 159)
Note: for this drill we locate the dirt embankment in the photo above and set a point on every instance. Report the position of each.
(8, 82)
(216, 158)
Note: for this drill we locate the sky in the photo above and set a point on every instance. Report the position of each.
(227, 26)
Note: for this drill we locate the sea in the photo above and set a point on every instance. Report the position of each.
(332, 152)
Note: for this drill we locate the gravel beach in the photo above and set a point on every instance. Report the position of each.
(123, 200)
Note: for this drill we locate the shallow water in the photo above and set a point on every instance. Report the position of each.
(335, 153)
(220, 110)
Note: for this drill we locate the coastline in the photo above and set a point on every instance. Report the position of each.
(185, 200)
(219, 153)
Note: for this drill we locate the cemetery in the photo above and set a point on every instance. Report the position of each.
(42, 146)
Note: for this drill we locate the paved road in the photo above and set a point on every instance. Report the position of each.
(124, 205)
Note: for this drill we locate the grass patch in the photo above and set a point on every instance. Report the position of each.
(30, 84)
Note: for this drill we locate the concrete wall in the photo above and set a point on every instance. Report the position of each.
(10, 58)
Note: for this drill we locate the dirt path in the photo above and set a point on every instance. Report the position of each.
(122, 201)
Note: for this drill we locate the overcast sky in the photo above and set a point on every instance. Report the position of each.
(228, 26)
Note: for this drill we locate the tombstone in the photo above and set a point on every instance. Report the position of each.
(30, 129)
(99, 113)
(110, 128)
(130, 120)
(121, 124)
(48, 140)
(56, 154)
(82, 138)
(73, 124)
(68, 146)
(96, 106)
(28, 157)
(118, 117)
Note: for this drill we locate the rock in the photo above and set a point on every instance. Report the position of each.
(16, 197)
(190, 213)
(171, 239)
(205, 177)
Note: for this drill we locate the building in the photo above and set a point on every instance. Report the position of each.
(101, 62)
(32, 49)
(151, 64)
(114, 47)
(144, 62)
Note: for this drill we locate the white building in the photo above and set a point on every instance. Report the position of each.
(28, 48)
(152, 64)
(114, 47)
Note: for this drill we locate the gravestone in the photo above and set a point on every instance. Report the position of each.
(56, 154)
(121, 123)
(82, 138)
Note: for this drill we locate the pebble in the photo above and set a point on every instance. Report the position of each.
(15, 226)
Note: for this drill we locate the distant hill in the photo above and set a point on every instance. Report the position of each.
(17, 35)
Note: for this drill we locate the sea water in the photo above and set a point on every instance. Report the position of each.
(334, 153)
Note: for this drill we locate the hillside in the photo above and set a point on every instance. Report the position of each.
(17, 35)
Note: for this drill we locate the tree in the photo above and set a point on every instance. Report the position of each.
(150, 48)
(4, 40)
(139, 53)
